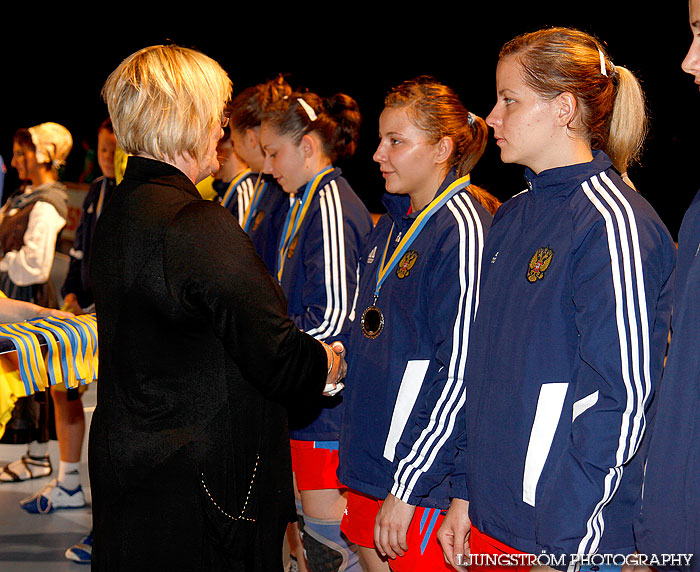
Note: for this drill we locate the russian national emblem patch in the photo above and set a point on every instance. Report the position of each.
(407, 261)
(539, 263)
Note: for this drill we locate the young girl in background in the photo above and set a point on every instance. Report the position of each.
(30, 222)
(323, 233)
(571, 330)
(418, 295)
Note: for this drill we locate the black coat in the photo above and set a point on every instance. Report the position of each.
(189, 452)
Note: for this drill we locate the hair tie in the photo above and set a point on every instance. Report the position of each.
(602, 63)
(471, 118)
(309, 110)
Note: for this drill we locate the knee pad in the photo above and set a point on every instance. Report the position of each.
(325, 546)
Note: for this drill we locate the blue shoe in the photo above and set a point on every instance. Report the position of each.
(81, 552)
(52, 497)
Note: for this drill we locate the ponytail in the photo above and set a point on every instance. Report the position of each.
(345, 125)
(628, 121)
(473, 145)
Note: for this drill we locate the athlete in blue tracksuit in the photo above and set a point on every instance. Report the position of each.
(318, 274)
(565, 353)
(405, 387)
(669, 522)
(235, 194)
(264, 217)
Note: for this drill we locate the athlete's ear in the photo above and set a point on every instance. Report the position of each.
(444, 149)
(309, 145)
(252, 137)
(566, 108)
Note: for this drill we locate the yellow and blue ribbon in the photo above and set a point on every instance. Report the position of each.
(28, 349)
(233, 186)
(72, 351)
(414, 230)
(252, 208)
(295, 217)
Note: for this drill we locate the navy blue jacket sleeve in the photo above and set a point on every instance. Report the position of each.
(621, 275)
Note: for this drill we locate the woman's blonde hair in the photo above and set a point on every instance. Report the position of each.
(165, 100)
(612, 109)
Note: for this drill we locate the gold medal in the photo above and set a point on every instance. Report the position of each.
(372, 322)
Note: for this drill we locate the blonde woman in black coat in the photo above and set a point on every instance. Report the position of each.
(189, 452)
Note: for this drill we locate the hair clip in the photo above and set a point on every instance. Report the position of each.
(309, 110)
(471, 118)
(602, 63)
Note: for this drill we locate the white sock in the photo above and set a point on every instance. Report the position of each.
(36, 449)
(69, 475)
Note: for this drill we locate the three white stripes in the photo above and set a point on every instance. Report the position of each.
(625, 274)
(443, 416)
(334, 264)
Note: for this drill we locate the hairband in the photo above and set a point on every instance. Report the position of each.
(602, 63)
(309, 110)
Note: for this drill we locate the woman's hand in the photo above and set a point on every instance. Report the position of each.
(50, 312)
(337, 368)
(70, 304)
(391, 525)
(454, 532)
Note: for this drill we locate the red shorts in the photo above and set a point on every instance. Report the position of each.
(424, 551)
(480, 543)
(315, 464)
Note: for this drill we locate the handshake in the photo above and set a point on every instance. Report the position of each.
(337, 368)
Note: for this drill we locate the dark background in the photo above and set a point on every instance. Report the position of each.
(53, 70)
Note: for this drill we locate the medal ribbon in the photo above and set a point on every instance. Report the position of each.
(252, 207)
(78, 337)
(66, 350)
(415, 229)
(78, 347)
(72, 350)
(232, 187)
(27, 346)
(53, 357)
(295, 217)
(89, 322)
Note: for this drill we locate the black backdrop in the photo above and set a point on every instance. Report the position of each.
(53, 69)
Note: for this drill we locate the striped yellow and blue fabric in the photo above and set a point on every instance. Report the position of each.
(42, 352)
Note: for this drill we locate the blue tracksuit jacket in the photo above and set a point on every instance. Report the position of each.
(405, 388)
(670, 516)
(78, 277)
(566, 350)
(235, 195)
(265, 220)
(320, 282)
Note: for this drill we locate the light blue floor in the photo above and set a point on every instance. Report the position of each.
(30, 542)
